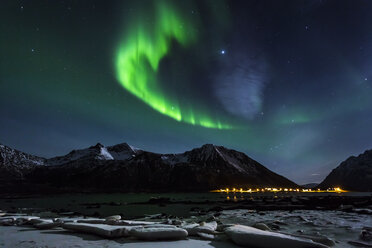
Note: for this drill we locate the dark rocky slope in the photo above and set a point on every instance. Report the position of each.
(15, 165)
(354, 174)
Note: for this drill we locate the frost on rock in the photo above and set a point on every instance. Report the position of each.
(251, 237)
(159, 233)
(102, 230)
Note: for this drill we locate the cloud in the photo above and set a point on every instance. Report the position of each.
(239, 85)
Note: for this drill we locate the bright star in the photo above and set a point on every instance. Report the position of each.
(222, 51)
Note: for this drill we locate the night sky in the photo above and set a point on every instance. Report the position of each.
(287, 82)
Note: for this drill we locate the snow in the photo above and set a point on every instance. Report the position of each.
(105, 155)
(16, 237)
(249, 236)
(102, 230)
(122, 151)
(91, 221)
(159, 233)
(135, 149)
(113, 217)
(233, 161)
(133, 222)
(195, 229)
(100, 153)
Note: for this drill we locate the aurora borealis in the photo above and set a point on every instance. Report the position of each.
(139, 57)
(287, 82)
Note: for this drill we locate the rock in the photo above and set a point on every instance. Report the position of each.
(92, 221)
(362, 211)
(252, 237)
(208, 228)
(7, 222)
(159, 226)
(131, 222)
(47, 225)
(113, 217)
(222, 227)
(154, 216)
(346, 207)
(38, 221)
(18, 219)
(262, 226)
(318, 239)
(190, 228)
(366, 234)
(206, 236)
(359, 244)
(177, 222)
(106, 231)
(164, 233)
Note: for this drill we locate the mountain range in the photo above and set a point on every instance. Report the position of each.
(122, 168)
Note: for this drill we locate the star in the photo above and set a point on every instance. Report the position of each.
(32, 50)
(222, 52)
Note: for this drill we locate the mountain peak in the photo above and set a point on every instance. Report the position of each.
(354, 173)
(97, 146)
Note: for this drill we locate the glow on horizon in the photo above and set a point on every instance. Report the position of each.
(280, 189)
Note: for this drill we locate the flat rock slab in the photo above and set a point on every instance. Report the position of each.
(106, 231)
(132, 222)
(252, 237)
(195, 229)
(17, 237)
(159, 233)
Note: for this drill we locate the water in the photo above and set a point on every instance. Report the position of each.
(108, 203)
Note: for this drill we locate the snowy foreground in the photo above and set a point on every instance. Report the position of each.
(228, 228)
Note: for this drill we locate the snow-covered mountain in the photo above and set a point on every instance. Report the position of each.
(15, 164)
(98, 152)
(124, 168)
(355, 173)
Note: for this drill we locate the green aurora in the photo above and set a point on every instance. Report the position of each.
(59, 72)
(140, 54)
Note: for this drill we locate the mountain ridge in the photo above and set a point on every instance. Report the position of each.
(355, 173)
(124, 168)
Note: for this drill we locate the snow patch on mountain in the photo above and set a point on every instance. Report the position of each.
(98, 152)
(231, 160)
(105, 155)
